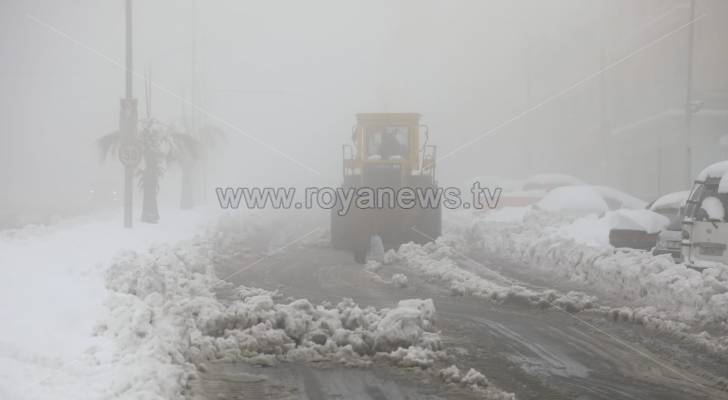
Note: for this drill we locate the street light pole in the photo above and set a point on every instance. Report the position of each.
(129, 52)
(689, 100)
(128, 124)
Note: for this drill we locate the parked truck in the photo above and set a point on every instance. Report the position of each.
(705, 226)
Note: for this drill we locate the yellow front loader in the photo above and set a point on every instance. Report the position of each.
(389, 152)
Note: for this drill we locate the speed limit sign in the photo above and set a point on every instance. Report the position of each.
(130, 154)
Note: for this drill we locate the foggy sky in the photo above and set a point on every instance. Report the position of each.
(293, 74)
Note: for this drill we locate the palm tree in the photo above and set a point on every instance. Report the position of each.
(154, 143)
(159, 144)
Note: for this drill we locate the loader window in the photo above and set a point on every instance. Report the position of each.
(387, 142)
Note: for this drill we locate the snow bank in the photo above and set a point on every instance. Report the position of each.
(52, 294)
(141, 325)
(166, 319)
(475, 381)
(437, 260)
(549, 246)
(590, 230)
(507, 214)
(259, 327)
(400, 280)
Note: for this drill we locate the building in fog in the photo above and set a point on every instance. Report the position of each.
(630, 126)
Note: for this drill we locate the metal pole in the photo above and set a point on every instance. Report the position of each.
(528, 94)
(689, 101)
(128, 122)
(604, 131)
(129, 53)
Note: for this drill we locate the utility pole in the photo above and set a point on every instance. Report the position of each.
(604, 130)
(199, 195)
(689, 100)
(528, 94)
(129, 152)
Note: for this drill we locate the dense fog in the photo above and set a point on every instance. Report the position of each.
(363, 199)
(597, 89)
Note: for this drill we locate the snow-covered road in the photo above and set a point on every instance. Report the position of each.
(260, 307)
(534, 352)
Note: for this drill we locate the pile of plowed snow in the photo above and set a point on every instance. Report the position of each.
(440, 261)
(637, 277)
(473, 380)
(167, 323)
(659, 293)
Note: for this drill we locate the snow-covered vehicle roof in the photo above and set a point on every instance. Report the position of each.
(580, 198)
(533, 186)
(717, 170)
(643, 220)
(589, 198)
(616, 198)
(671, 200)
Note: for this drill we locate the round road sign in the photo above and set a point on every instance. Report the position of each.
(130, 154)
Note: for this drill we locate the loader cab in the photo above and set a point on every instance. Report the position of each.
(705, 226)
(388, 144)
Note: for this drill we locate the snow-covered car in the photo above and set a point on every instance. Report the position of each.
(670, 204)
(705, 227)
(655, 218)
(573, 200)
(617, 199)
(636, 229)
(585, 199)
(669, 240)
(630, 224)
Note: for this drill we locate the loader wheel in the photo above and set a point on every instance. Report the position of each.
(360, 248)
(429, 226)
(360, 256)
